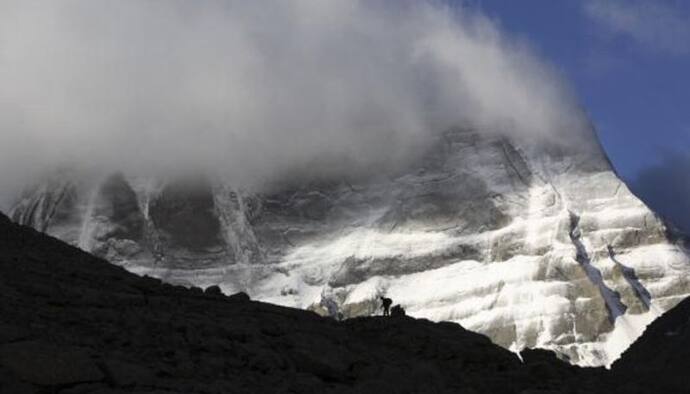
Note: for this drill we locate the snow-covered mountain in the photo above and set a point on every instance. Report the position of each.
(533, 246)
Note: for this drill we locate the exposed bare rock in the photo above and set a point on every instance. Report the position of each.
(82, 325)
(533, 246)
(92, 327)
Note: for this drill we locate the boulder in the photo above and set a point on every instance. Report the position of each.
(213, 290)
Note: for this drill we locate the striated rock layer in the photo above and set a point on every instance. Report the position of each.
(533, 246)
(74, 324)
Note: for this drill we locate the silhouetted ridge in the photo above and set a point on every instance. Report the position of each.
(72, 323)
(661, 354)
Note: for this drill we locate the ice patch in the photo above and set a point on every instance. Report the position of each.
(626, 331)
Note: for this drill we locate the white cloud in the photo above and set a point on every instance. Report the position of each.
(656, 25)
(257, 90)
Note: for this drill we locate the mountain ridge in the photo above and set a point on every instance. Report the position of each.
(77, 324)
(74, 323)
(534, 246)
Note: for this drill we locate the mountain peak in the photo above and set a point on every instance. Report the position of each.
(534, 246)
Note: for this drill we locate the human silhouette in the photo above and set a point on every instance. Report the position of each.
(386, 305)
(397, 311)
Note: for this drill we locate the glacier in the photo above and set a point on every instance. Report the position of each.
(534, 245)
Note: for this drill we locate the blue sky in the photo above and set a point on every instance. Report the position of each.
(628, 62)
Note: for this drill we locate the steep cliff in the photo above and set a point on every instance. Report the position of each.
(534, 246)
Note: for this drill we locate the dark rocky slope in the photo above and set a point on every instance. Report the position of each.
(661, 356)
(73, 323)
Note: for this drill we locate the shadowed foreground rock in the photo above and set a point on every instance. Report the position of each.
(71, 323)
(661, 357)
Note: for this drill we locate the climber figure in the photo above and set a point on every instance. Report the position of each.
(397, 311)
(386, 305)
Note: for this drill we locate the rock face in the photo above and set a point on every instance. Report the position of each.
(75, 324)
(72, 323)
(533, 246)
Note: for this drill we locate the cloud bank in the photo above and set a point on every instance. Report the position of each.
(257, 89)
(660, 26)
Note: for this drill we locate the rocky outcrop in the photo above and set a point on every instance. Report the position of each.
(72, 323)
(533, 246)
(660, 355)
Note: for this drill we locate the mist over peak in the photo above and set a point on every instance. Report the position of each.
(255, 91)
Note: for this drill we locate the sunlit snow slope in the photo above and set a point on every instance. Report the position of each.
(535, 247)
